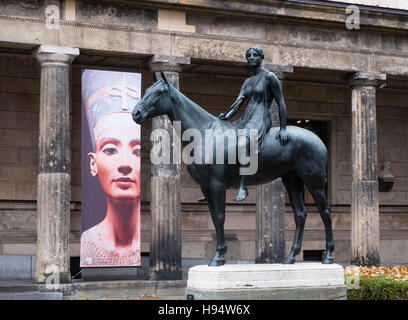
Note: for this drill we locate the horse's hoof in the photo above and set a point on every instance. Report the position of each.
(241, 196)
(216, 263)
(289, 260)
(217, 260)
(328, 260)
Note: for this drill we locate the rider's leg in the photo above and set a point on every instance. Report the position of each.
(243, 191)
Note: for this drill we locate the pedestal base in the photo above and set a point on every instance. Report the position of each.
(302, 281)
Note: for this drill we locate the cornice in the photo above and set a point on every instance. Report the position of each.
(249, 41)
(284, 10)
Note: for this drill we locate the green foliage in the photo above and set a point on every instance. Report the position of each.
(379, 288)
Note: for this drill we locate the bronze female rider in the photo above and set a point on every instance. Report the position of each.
(259, 91)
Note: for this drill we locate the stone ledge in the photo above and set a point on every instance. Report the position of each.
(119, 289)
(32, 296)
(28, 290)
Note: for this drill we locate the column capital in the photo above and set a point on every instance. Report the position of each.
(168, 63)
(367, 79)
(55, 54)
(279, 70)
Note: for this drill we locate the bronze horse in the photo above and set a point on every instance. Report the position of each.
(302, 161)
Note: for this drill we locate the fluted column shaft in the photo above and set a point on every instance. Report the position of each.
(165, 206)
(54, 189)
(365, 229)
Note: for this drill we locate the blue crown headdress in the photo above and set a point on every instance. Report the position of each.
(105, 92)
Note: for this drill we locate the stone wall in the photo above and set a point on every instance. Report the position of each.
(19, 103)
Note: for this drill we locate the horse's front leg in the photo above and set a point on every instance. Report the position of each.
(216, 203)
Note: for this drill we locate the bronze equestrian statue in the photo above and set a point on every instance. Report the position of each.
(295, 154)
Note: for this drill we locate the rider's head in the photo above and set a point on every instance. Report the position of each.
(254, 56)
(257, 50)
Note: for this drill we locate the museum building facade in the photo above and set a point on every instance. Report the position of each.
(348, 83)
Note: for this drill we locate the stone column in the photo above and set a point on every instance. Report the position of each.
(365, 229)
(165, 206)
(54, 187)
(270, 204)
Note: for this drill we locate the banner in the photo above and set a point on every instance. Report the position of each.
(110, 195)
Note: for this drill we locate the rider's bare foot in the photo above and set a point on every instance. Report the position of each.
(241, 196)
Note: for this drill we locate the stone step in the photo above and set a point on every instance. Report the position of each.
(120, 289)
(31, 295)
(95, 289)
(17, 287)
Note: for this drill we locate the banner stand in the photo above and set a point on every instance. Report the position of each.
(114, 273)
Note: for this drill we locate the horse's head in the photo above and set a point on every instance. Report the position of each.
(155, 102)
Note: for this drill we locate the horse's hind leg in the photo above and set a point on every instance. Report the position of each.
(294, 186)
(319, 197)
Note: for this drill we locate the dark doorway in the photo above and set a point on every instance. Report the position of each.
(319, 127)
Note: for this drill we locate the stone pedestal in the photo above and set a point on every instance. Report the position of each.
(54, 188)
(365, 229)
(302, 281)
(165, 247)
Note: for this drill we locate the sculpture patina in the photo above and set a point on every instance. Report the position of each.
(295, 154)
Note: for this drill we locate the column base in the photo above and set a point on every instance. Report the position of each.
(165, 275)
(165, 247)
(53, 278)
(270, 222)
(371, 259)
(53, 221)
(365, 240)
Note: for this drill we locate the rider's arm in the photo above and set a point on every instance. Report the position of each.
(233, 109)
(277, 93)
